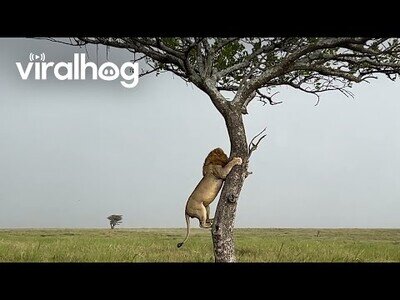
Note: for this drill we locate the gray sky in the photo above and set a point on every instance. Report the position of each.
(72, 153)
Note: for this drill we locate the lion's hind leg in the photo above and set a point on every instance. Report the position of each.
(202, 216)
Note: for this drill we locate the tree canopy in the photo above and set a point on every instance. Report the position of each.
(253, 67)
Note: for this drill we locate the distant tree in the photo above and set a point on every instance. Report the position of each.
(115, 220)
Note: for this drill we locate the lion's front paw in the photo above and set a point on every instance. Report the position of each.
(238, 161)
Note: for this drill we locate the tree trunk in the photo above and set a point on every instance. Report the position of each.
(222, 230)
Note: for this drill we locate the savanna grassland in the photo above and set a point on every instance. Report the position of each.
(159, 245)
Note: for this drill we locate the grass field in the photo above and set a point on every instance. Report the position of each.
(159, 245)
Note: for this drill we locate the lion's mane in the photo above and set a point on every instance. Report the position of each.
(216, 157)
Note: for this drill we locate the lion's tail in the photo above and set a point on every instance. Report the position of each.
(187, 230)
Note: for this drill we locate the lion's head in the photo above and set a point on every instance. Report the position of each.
(216, 157)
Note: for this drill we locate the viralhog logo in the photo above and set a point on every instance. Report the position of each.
(76, 70)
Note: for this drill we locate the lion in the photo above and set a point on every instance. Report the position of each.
(215, 169)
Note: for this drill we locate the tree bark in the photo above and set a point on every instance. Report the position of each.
(222, 230)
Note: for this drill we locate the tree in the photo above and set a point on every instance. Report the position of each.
(235, 71)
(115, 220)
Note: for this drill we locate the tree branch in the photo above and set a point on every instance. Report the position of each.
(268, 98)
(287, 64)
(253, 147)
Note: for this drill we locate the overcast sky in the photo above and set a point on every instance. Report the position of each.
(74, 152)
